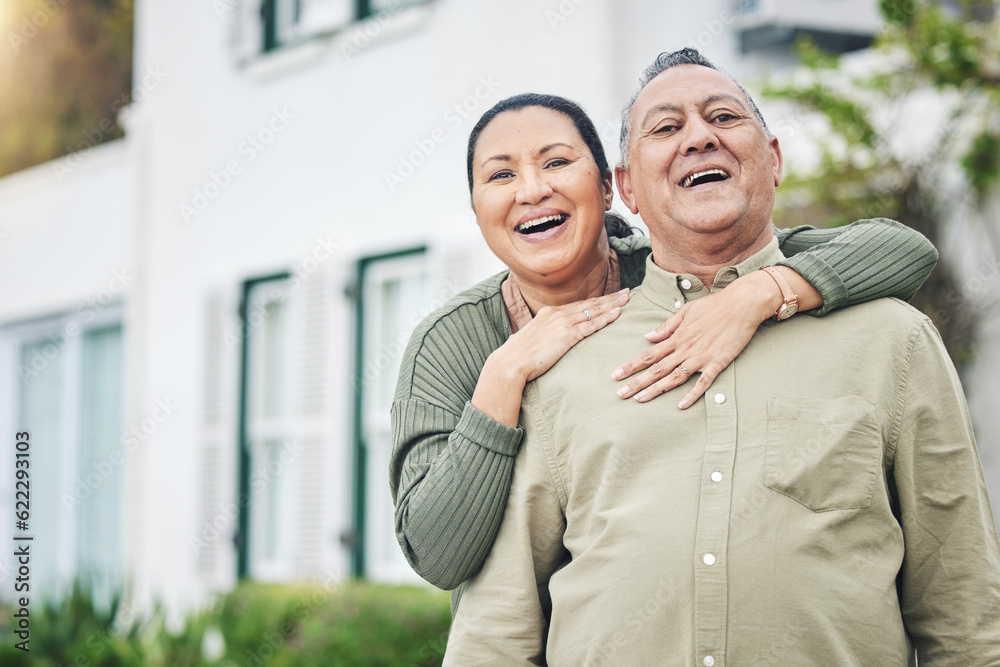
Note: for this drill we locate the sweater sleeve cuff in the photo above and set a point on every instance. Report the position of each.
(488, 433)
(821, 276)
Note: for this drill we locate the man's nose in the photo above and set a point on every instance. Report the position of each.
(699, 135)
(533, 188)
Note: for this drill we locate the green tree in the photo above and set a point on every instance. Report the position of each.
(913, 134)
(65, 71)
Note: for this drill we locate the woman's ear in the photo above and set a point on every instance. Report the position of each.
(609, 192)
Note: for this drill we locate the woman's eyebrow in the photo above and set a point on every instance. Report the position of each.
(542, 151)
(556, 144)
(499, 158)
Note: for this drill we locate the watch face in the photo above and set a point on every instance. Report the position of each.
(786, 311)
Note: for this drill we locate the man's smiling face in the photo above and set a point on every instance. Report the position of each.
(701, 162)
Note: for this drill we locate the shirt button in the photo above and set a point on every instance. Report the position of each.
(709, 661)
(720, 398)
(709, 559)
(716, 476)
(677, 304)
(685, 284)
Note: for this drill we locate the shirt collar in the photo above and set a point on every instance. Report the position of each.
(673, 290)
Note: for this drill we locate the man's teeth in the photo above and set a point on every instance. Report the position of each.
(690, 179)
(540, 221)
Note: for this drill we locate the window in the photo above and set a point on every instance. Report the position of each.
(773, 26)
(268, 445)
(290, 21)
(394, 297)
(268, 25)
(65, 387)
(293, 478)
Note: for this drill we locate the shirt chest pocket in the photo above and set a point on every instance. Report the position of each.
(823, 453)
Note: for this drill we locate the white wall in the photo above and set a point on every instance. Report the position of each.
(66, 238)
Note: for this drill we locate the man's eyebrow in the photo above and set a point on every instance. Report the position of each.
(722, 97)
(725, 98)
(659, 109)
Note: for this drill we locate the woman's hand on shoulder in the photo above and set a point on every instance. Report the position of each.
(703, 337)
(535, 349)
(555, 329)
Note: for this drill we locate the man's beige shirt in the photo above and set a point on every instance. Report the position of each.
(823, 504)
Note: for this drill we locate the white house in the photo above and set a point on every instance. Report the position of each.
(201, 323)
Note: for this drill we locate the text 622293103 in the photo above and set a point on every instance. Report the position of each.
(22, 541)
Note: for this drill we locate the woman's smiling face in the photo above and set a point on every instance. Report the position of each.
(539, 196)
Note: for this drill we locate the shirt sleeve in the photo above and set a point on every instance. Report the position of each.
(949, 583)
(505, 610)
(451, 465)
(865, 260)
(453, 474)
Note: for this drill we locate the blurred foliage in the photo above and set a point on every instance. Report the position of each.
(351, 624)
(65, 72)
(76, 630)
(346, 624)
(920, 118)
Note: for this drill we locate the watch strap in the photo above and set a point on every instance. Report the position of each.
(789, 298)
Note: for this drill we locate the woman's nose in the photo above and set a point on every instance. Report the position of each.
(533, 187)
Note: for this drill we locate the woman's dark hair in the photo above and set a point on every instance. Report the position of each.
(617, 226)
(613, 222)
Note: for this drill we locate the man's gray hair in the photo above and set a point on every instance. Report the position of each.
(663, 62)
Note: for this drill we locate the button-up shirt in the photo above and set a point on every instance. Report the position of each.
(822, 504)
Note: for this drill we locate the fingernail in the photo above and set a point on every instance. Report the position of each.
(617, 375)
(623, 392)
(641, 396)
(683, 405)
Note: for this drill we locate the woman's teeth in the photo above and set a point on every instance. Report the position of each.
(532, 224)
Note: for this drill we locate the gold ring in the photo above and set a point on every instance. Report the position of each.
(587, 313)
(681, 368)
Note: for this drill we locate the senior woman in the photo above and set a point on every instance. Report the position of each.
(541, 189)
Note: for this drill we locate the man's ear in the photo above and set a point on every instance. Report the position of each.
(776, 160)
(623, 179)
(609, 193)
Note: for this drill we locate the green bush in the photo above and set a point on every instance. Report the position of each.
(75, 631)
(346, 624)
(351, 623)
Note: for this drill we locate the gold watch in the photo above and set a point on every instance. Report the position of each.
(790, 299)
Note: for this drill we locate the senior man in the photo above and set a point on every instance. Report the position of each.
(824, 504)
